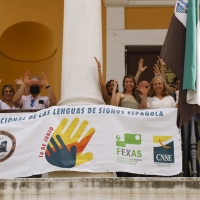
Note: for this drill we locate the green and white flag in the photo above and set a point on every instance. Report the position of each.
(180, 52)
(191, 59)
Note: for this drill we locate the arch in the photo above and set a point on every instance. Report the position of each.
(28, 42)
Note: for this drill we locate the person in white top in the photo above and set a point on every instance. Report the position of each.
(7, 93)
(157, 95)
(34, 100)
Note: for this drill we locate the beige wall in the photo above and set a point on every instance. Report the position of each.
(31, 36)
(31, 40)
(148, 17)
(35, 47)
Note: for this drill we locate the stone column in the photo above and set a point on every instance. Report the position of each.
(82, 40)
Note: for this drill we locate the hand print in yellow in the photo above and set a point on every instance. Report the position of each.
(64, 148)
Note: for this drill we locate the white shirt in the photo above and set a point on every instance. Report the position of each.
(3, 106)
(166, 102)
(40, 102)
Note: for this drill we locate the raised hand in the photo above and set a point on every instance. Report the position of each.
(162, 63)
(143, 90)
(44, 80)
(19, 81)
(115, 85)
(156, 70)
(98, 63)
(27, 78)
(71, 139)
(141, 67)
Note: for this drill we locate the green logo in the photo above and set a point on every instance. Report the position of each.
(135, 139)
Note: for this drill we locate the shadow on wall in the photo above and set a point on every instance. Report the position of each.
(27, 46)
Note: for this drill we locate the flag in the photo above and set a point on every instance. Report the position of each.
(190, 81)
(180, 51)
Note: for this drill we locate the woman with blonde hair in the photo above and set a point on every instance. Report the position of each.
(158, 96)
(7, 93)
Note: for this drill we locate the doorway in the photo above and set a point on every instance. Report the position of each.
(148, 53)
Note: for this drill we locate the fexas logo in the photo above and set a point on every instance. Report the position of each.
(129, 139)
(7, 145)
(163, 149)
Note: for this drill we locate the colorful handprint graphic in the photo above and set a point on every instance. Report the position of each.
(66, 146)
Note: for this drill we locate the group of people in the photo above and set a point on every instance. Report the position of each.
(144, 95)
(135, 95)
(27, 95)
(156, 94)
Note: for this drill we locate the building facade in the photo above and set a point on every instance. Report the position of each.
(31, 37)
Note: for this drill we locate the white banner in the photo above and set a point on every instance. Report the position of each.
(93, 138)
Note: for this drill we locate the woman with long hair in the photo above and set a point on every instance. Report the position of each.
(129, 98)
(107, 89)
(158, 96)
